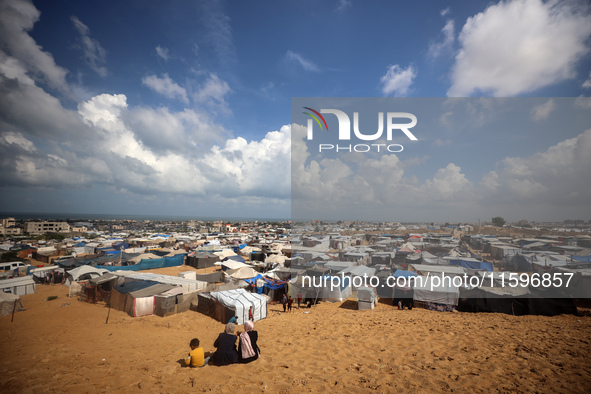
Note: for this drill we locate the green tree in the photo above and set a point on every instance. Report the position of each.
(56, 236)
(498, 221)
(9, 256)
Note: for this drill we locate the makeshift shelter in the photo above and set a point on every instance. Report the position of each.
(404, 289)
(361, 272)
(320, 288)
(147, 264)
(276, 259)
(136, 298)
(236, 257)
(22, 285)
(516, 301)
(231, 265)
(10, 303)
(367, 298)
(384, 289)
(82, 273)
(241, 273)
(211, 307)
(239, 302)
(438, 270)
(225, 253)
(472, 264)
(272, 287)
(202, 259)
(432, 289)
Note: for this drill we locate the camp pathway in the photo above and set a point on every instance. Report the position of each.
(64, 345)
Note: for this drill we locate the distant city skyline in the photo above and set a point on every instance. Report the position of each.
(183, 108)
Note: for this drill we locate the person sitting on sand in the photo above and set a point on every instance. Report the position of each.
(248, 349)
(197, 357)
(226, 352)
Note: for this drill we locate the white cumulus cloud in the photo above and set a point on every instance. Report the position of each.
(518, 46)
(397, 80)
(16, 20)
(542, 111)
(166, 87)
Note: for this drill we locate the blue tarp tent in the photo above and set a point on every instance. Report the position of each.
(269, 283)
(235, 258)
(406, 274)
(149, 264)
(583, 259)
(472, 264)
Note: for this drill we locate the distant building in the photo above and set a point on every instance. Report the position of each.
(8, 227)
(46, 227)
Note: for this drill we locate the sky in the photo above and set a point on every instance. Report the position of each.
(184, 108)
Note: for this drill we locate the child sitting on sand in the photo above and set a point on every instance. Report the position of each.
(197, 357)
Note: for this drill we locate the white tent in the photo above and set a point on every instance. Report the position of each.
(242, 273)
(432, 289)
(231, 264)
(74, 274)
(321, 287)
(248, 250)
(225, 253)
(144, 256)
(20, 286)
(276, 259)
(241, 300)
(448, 270)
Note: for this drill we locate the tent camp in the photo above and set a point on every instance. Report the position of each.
(10, 303)
(239, 302)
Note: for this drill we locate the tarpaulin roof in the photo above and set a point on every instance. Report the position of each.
(235, 257)
(267, 282)
(472, 264)
(153, 290)
(133, 285)
(584, 259)
(232, 265)
(242, 273)
(406, 274)
(240, 300)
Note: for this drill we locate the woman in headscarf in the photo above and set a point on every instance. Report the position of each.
(226, 347)
(248, 349)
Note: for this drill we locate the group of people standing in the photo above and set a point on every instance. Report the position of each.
(225, 344)
(288, 302)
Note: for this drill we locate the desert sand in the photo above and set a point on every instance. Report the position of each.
(65, 345)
